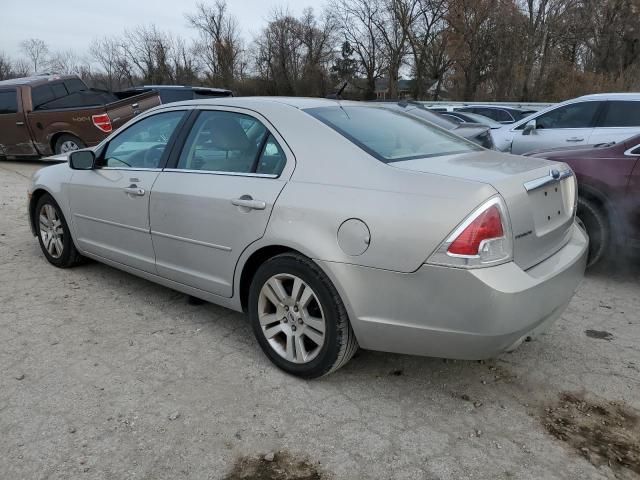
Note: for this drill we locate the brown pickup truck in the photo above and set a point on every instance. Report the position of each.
(44, 115)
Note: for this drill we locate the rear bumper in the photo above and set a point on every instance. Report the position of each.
(456, 313)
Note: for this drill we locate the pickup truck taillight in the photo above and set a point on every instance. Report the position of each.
(103, 122)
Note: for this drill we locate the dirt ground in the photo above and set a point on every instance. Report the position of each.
(107, 376)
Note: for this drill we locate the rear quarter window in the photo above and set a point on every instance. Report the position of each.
(622, 114)
(388, 135)
(8, 102)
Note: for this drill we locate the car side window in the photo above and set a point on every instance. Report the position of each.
(59, 90)
(143, 144)
(575, 115)
(228, 142)
(272, 160)
(622, 114)
(8, 102)
(41, 95)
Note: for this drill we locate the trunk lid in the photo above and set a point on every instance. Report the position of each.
(541, 207)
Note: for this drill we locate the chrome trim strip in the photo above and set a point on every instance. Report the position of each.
(115, 224)
(547, 180)
(190, 240)
(213, 172)
(629, 152)
(131, 169)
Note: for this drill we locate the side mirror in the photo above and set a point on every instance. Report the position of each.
(82, 160)
(529, 127)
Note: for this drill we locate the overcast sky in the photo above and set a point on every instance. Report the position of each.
(72, 24)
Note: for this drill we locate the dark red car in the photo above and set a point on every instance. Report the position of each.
(609, 192)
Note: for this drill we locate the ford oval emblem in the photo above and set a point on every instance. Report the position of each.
(555, 174)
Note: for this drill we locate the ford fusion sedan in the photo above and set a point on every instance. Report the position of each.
(334, 225)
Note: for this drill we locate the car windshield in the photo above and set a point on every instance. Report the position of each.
(391, 136)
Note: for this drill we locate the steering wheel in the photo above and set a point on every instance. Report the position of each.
(153, 155)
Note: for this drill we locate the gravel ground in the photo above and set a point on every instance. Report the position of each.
(104, 375)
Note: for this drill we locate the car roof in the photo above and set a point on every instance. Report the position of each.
(502, 107)
(36, 80)
(295, 102)
(191, 87)
(611, 96)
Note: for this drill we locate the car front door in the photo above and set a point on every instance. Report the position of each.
(564, 126)
(216, 197)
(15, 138)
(110, 204)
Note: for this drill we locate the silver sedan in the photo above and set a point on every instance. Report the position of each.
(334, 225)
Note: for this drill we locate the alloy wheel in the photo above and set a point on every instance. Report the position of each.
(51, 230)
(291, 318)
(68, 146)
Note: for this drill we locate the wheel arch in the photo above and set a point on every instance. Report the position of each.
(54, 139)
(603, 201)
(36, 195)
(251, 265)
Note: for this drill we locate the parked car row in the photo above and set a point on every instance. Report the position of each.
(334, 225)
(498, 113)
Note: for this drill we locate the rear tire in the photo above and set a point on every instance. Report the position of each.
(292, 296)
(595, 221)
(68, 143)
(54, 235)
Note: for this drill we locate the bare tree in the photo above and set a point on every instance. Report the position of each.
(66, 62)
(107, 52)
(357, 21)
(36, 51)
(220, 46)
(426, 34)
(6, 67)
(392, 23)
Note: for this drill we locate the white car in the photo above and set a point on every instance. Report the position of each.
(588, 120)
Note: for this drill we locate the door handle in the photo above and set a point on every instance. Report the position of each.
(246, 201)
(575, 139)
(134, 190)
(20, 124)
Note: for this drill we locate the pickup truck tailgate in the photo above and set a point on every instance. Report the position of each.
(122, 111)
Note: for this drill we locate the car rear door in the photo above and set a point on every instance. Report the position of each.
(15, 138)
(110, 204)
(564, 126)
(619, 120)
(216, 196)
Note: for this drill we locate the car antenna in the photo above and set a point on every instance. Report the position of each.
(337, 95)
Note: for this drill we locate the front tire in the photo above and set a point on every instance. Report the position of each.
(67, 144)
(596, 224)
(298, 317)
(54, 235)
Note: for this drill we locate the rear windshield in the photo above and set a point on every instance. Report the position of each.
(391, 136)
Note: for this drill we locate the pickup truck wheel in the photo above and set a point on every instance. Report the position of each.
(54, 235)
(68, 143)
(298, 317)
(596, 224)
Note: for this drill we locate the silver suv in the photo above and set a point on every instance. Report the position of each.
(588, 120)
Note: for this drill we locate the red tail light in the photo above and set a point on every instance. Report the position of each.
(102, 122)
(483, 239)
(486, 226)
